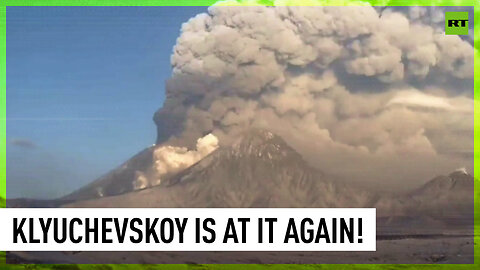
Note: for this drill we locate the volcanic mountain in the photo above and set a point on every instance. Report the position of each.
(444, 196)
(443, 204)
(259, 170)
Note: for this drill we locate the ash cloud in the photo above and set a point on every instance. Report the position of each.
(369, 94)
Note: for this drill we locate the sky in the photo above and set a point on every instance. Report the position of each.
(82, 86)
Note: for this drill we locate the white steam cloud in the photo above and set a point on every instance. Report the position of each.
(171, 159)
(366, 93)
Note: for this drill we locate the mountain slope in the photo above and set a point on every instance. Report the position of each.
(120, 180)
(451, 195)
(444, 204)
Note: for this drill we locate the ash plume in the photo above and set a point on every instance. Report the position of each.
(369, 94)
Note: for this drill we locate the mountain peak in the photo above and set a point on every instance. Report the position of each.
(461, 170)
(457, 180)
(257, 136)
(262, 144)
(460, 174)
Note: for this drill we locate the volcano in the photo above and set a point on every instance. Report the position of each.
(258, 170)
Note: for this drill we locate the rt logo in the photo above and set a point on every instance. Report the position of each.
(456, 23)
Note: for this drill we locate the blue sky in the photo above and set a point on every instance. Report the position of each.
(82, 86)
